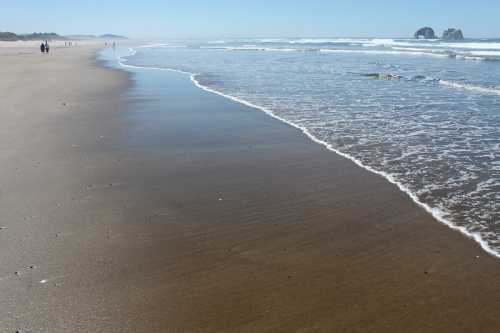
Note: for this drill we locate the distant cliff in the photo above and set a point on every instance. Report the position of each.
(111, 36)
(453, 34)
(425, 32)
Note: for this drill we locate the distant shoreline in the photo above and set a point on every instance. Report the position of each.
(13, 37)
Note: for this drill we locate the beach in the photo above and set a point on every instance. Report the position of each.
(133, 201)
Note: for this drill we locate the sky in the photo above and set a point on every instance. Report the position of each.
(251, 18)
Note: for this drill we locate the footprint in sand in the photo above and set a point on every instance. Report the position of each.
(64, 234)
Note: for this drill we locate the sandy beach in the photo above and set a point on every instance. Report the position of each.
(137, 202)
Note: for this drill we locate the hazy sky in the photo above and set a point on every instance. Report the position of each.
(251, 18)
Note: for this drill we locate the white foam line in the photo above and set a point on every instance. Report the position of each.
(383, 52)
(437, 213)
(469, 87)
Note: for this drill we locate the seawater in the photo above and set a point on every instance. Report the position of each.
(424, 114)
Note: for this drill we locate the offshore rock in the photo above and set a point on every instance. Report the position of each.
(453, 34)
(383, 76)
(426, 33)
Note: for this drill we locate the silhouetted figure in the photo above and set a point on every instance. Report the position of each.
(42, 48)
(47, 47)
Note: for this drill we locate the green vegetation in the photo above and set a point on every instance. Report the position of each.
(10, 36)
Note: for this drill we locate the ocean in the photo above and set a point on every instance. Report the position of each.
(425, 114)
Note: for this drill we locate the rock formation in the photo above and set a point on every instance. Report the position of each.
(382, 76)
(453, 34)
(426, 32)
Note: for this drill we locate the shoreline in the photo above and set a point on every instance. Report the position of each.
(439, 230)
(122, 213)
(436, 213)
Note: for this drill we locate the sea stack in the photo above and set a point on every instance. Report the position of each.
(453, 34)
(426, 33)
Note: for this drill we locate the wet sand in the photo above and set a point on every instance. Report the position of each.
(140, 203)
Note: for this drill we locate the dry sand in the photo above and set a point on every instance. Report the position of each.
(207, 228)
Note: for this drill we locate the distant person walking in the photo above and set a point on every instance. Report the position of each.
(47, 47)
(42, 48)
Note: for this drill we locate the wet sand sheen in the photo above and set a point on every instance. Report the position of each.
(192, 213)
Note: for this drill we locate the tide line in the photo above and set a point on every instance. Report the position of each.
(437, 213)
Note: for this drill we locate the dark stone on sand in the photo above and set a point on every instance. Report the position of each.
(453, 34)
(426, 33)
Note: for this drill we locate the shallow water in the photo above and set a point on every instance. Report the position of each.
(432, 126)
